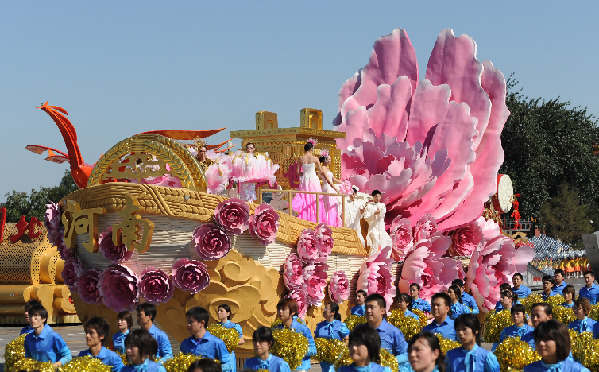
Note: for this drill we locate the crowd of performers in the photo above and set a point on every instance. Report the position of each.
(450, 314)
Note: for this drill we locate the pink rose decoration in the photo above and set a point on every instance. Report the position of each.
(339, 287)
(217, 177)
(307, 245)
(323, 230)
(325, 240)
(156, 287)
(376, 277)
(300, 298)
(233, 215)
(190, 275)
(211, 242)
(401, 235)
(425, 227)
(87, 286)
(293, 273)
(264, 223)
(110, 251)
(465, 240)
(345, 188)
(71, 271)
(119, 287)
(315, 281)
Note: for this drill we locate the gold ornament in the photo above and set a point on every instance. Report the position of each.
(14, 351)
(228, 335)
(514, 354)
(447, 344)
(495, 322)
(556, 300)
(387, 360)
(406, 324)
(328, 350)
(289, 345)
(422, 316)
(181, 362)
(531, 300)
(594, 313)
(563, 314)
(29, 364)
(86, 363)
(585, 349)
(353, 320)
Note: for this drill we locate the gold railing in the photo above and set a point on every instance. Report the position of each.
(291, 192)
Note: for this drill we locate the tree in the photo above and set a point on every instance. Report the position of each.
(19, 204)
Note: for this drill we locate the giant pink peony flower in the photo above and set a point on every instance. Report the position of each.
(87, 286)
(401, 236)
(233, 215)
(119, 287)
(211, 242)
(339, 287)
(71, 271)
(494, 263)
(315, 281)
(376, 277)
(431, 146)
(293, 273)
(325, 242)
(155, 285)
(264, 223)
(190, 275)
(110, 251)
(465, 240)
(307, 245)
(217, 177)
(425, 227)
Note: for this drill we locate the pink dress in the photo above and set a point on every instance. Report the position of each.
(331, 213)
(305, 204)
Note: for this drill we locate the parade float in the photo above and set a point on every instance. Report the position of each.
(151, 223)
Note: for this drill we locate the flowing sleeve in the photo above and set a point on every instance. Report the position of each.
(491, 363)
(164, 348)
(311, 345)
(239, 331)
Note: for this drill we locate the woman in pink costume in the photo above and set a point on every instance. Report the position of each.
(331, 212)
(305, 204)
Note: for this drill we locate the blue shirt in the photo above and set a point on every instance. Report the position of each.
(146, 366)
(560, 288)
(237, 327)
(300, 328)
(458, 309)
(513, 331)
(26, 330)
(469, 301)
(421, 305)
(566, 365)
(444, 329)
(108, 357)
(585, 325)
(334, 330)
(499, 306)
(392, 339)
(358, 310)
(522, 292)
(529, 338)
(118, 341)
(567, 305)
(552, 293)
(596, 330)
(411, 314)
(209, 347)
(372, 367)
(165, 351)
(272, 363)
(590, 293)
(477, 359)
(47, 347)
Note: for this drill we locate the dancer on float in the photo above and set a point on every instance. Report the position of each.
(264, 360)
(553, 345)
(467, 299)
(470, 356)
(520, 289)
(417, 302)
(331, 328)
(442, 323)
(457, 307)
(140, 348)
(97, 331)
(124, 322)
(583, 323)
(569, 294)
(286, 309)
(353, 214)
(247, 190)
(224, 317)
(374, 213)
(305, 204)
(364, 350)
(520, 327)
(425, 354)
(590, 289)
(331, 213)
(360, 307)
(404, 303)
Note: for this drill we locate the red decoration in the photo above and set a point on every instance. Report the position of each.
(23, 226)
(2, 223)
(516, 212)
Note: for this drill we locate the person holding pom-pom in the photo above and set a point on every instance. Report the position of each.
(97, 331)
(43, 344)
(224, 318)
(287, 308)
(364, 350)
(264, 360)
(141, 347)
(425, 354)
(331, 328)
(470, 356)
(520, 327)
(583, 323)
(124, 322)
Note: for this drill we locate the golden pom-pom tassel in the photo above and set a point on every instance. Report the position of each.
(86, 363)
(447, 344)
(594, 314)
(328, 350)
(556, 300)
(29, 364)
(228, 335)
(564, 315)
(289, 345)
(530, 300)
(353, 320)
(422, 316)
(14, 351)
(495, 322)
(406, 324)
(387, 360)
(585, 349)
(514, 354)
(181, 362)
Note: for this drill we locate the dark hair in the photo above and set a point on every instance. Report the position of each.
(458, 282)
(584, 303)
(415, 285)
(363, 292)
(546, 307)
(308, 146)
(518, 274)
(548, 278)
(30, 303)
(376, 192)
(148, 309)
(199, 314)
(127, 317)
(380, 300)
(470, 321)
(369, 337)
(509, 294)
(290, 304)
(433, 342)
(335, 309)
(38, 310)
(100, 325)
(322, 159)
(262, 334)
(558, 332)
(227, 309)
(569, 289)
(250, 143)
(519, 308)
(206, 365)
(504, 286)
(405, 298)
(143, 340)
(457, 291)
(589, 272)
(558, 271)
(442, 295)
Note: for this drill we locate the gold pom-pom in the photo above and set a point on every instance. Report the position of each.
(289, 345)
(422, 316)
(123, 357)
(29, 364)
(514, 354)
(495, 322)
(563, 314)
(387, 360)
(353, 320)
(556, 300)
(328, 350)
(530, 300)
(585, 349)
(14, 351)
(406, 324)
(181, 362)
(447, 344)
(228, 335)
(86, 363)
(594, 314)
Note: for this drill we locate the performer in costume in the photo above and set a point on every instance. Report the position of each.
(507, 299)
(360, 307)
(569, 294)
(204, 365)
(264, 360)
(417, 302)
(146, 314)
(467, 299)
(583, 323)
(202, 157)
(560, 284)
(520, 289)
(224, 317)
(374, 213)
(364, 350)
(404, 303)
(590, 289)
(140, 347)
(520, 327)
(97, 331)
(331, 328)
(331, 215)
(305, 204)
(455, 297)
(28, 329)
(353, 214)
(425, 354)
(442, 323)
(286, 308)
(124, 322)
(43, 344)
(470, 356)
(548, 290)
(540, 312)
(247, 190)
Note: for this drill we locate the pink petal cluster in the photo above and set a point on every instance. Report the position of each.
(211, 242)
(217, 177)
(307, 245)
(293, 273)
(87, 286)
(71, 271)
(339, 287)
(425, 227)
(53, 224)
(264, 223)
(190, 275)
(315, 281)
(324, 234)
(119, 287)
(376, 277)
(110, 251)
(494, 263)
(432, 146)
(465, 240)
(346, 188)
(300, 298)
(402, 238)
(233, 215)
(155, 285)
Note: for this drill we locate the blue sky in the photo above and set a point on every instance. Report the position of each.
(125, 67)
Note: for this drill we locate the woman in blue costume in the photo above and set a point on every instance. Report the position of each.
(569, 294)
(224, 318)
(404, 303)
(264, 360)
(331, 328)
(425, 354)
(582, 308)
(141, 348)
(457, 308)
(364, 350)
(470, 356)
(286, 309)
(552, 342)
(520, 327)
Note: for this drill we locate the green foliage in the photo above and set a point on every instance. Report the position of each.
(566, 219)
(34, 205)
